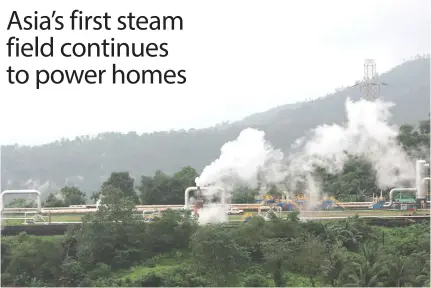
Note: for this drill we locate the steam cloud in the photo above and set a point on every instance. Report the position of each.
(366, 133)
(251, 160)
(248, 160)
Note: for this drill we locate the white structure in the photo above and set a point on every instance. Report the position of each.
(31, 192)
(420, 183)
(34, 211)
(421, 186)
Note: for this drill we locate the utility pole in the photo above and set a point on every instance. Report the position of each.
(370, 84)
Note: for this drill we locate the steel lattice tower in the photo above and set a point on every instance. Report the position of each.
(370, 84)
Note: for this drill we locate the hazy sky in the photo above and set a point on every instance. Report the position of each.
(240, 57)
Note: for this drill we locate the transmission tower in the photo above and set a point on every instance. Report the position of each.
(370, 84)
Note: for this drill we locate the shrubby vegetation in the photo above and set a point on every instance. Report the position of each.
(113, 248)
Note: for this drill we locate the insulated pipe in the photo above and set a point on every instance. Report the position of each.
(391, 194)
(186, 196)
(420, 169)
(76, 211)
(72, 210)
(152, 207)
(190, 189)
(7, 192)
(427, 178)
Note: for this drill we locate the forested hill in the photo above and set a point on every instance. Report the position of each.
(86, 162)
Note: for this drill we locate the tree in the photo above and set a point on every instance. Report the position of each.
(72, 196)
(72, 273)
(278, 252)
(216, 254)
(54, 201)
(34, 259)
(112, 235)
(187, 175)
(165, 189)
(369, 269)
(244, 195)
(337, 267)
(21, 203)
(416, 141)
(400, 269)
(170, 232)
(327, 181)
(357, 179)
(255, 276)
(364, 174)
(312, 258)
(424, 127)
(121, 181)
(251, 235)
(147, 193)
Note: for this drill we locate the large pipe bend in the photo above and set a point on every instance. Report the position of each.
(31, 191)
(391, 194)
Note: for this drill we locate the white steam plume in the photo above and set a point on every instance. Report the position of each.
(366, 133)
(212, 213)
(251, 160)
(248, 160)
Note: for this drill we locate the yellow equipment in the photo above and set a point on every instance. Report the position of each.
(246, 216)
(336, 202)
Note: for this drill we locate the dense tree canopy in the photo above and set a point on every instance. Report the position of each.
(121, 181)
(114, 248)
(416, 141)
(67, 196)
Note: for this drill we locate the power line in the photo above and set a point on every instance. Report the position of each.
(370, 84)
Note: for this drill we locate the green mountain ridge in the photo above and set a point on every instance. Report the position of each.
(87, 162)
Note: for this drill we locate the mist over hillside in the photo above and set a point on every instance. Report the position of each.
(87, 162)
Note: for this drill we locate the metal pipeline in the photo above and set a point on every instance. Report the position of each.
(391, 194)
(68, 211)
(157, 207)
(420, 174)
(424, 179)
(186, 196)
(72, 210)
(32, 191)
(152, 207)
